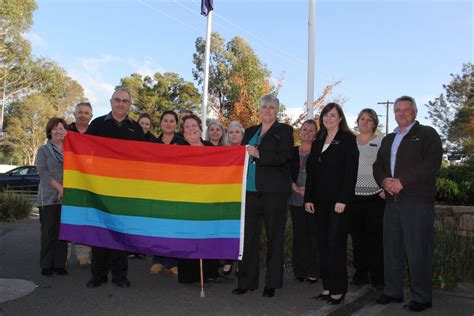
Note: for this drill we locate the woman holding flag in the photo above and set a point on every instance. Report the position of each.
(270, 145)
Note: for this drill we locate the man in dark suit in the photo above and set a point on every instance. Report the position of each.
(116, 124)
(406, 167)
(270, 145)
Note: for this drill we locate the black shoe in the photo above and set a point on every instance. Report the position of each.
(378, 286)
(414, 306)
(268, 292)
(47, 272)
(312, 281)
(60, 271)
(95, 282)
(216, 279)
(238, 291)
(299, 279)
(385, 299)
(322, 297)
(336, 301)
(121, 282)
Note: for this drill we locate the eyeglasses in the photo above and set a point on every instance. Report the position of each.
(118, 100)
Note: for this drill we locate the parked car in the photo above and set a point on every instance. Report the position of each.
(24, 178)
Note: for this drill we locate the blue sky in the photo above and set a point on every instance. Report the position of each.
(379, 49)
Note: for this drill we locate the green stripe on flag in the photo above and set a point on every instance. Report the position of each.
(152, 208)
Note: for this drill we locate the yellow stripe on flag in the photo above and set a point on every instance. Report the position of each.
(153, 190)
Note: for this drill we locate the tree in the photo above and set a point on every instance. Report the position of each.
(167, 91)
(453, 113)
(27, 117)
(16, 64)
(237, 78)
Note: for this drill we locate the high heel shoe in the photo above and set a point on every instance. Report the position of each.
(312, 281)
(336, 301)
(322, 297)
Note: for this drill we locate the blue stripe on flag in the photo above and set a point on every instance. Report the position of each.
(153, 227)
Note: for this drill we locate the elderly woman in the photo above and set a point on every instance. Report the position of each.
(49, 163)
(305, 256)
(367, 209)
(145, 122)
(234, 135)
(168, 125)
(270, 145)
(189, 271)
(215, 133)
(331, 177)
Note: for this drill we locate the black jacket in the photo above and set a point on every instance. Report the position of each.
(418, 161)
(332, 175)
(272, 168)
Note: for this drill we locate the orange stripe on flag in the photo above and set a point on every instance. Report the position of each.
(141, 170)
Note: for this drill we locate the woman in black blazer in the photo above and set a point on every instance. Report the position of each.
(268, 185)
(331, 178)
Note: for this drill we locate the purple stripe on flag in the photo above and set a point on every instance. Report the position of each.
(217, 248)
(206, 7)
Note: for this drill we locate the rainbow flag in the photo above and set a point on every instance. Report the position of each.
(170, 200)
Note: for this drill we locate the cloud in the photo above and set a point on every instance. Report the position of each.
(36, 40)
(146, 67)
(93, 64)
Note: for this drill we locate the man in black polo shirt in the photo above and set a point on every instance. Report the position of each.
(116, 124)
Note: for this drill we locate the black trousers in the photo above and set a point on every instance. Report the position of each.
(305, 253)
(104, 260)
(332, 239)
(189, 270)
(366, 229)
(409, 231)
(270, 209)
(53, 252)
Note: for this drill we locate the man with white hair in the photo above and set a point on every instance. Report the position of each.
(82, 116)
(406, 167)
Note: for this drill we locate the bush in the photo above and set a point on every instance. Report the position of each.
(13, 206)
(455, 184)
(453, 259)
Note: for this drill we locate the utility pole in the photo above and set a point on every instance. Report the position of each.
(387, 106)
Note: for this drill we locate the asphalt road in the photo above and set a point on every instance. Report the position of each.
(162, 294)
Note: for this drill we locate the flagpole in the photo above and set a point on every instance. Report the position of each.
(311, 51)
(201, 272)
(206, 73)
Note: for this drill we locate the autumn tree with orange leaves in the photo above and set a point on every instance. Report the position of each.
(237, 80)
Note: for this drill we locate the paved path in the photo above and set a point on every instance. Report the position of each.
(161, 294)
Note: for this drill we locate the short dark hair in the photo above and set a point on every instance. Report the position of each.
(194, 117)
(322, 133)
(52, 124)
(169, 112)
(144, 115)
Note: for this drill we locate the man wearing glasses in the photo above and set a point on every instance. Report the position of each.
(116, 124)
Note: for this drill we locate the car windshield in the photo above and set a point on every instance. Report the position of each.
(19, 171)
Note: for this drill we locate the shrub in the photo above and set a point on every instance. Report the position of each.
(13, 206)
(453, 259)
(455, 184)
